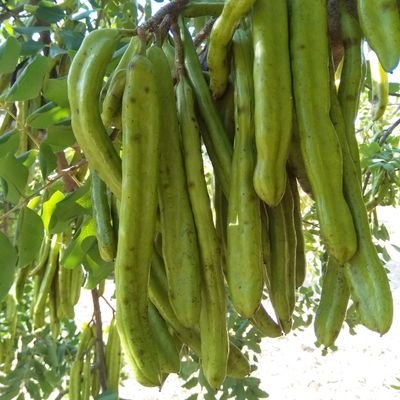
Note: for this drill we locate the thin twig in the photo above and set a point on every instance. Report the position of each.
(388, 132)
(173, 8)
(50, 181)
(61, 394)
(179, 56)
(381, 142)
(10, 13)
(101, 361)
(108, 303)
(204, 33)
(70, 185)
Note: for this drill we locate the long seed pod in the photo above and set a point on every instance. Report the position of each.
(213, 330)
(218, 145)
(273, 98)
(282, 237)
(85, 79)
(319, 144)
(141, 126)
(106, 241)
(244, 269)
(113, 357)
(351, 77)
(218, 47)
(178, 231)
(301, 263)
(365, 274)
(75, 375)
(51, 268)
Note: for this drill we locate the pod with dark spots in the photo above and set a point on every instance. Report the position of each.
(85, 79)
(138, 211)
(318, 139)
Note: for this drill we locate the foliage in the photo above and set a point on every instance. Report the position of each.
(34, 362)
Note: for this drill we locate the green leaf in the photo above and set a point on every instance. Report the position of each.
(191, 383)
(47, 160)
(9, 54)
(31, 47)
(60, 136)
(15, 176)
(97, 268)
(72, 39)
(256, 392)
(107, 395)
(9, 142)
(33, 389)
(74, 205)
(29, 237)
(10, 392)
(48, 115)
(49, 206)
(80, 244)
(193, 396)
(8, 260)
(56, 90)
(49, 12)
(28, 158)
(29, 83)
(30, 30)
(394, 87)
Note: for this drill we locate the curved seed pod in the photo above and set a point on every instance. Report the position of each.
(380, 23)
(220, 37)
(379, 87)
(85, 79)
(319, 143)
(332, 306)
(264, 323)
(244, 270)
(111, 108)
(273, 98)
(365, 274)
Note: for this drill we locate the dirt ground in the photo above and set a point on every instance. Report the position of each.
(293, 368)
